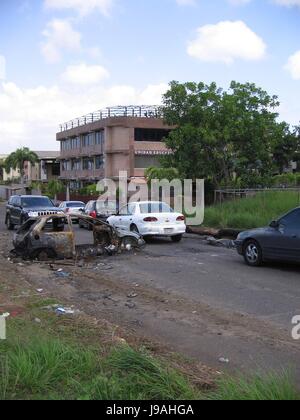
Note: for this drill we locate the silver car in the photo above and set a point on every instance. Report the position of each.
(72, 208)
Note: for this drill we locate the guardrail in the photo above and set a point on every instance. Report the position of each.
(145, 111)
(229, 193)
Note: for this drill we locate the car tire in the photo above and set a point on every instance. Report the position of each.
(253, 253)
(134, 229)
(176, 238)
(45, 255)
(9, 224)
(81, 225)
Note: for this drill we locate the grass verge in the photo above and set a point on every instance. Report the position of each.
(36, 363)
(252, 212)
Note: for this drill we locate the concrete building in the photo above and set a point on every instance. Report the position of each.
(101, 144)
(46, 169)
(12, 175)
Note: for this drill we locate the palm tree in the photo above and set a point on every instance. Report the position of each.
(17, 159)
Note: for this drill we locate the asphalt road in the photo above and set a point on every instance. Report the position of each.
(217, 280)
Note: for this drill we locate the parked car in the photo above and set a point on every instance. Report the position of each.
(73, 208)
(24, 207)
(280, 241)
(99, 209)
(150, 219)
(53, 237)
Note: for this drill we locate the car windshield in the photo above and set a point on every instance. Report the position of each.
(147, 208)
(76, 204)
(106, 206)
(31, 202)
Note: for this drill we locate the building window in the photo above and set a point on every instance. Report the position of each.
(66, 165)
(88, 164)
(56, 169)
(99, 162)
(148, 134)
(88, 140)
(76, 164)
(99, 139)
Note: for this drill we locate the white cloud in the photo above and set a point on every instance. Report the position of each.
(60, 36)
(82, 7)
(293, 65)
(186, 2)
(225, 42)
(288, 3)
(31, 117)
(2, 67)
(83, 74)
(239, 2)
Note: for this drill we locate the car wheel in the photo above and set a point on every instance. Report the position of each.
(176, 238)
(9, 224)
(81, 225)
(253, 253)
(45, 255)
(133, 228)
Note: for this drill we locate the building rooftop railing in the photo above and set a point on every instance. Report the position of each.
(145, 111)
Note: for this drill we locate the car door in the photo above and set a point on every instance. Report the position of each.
(125, 217)
(283, 242)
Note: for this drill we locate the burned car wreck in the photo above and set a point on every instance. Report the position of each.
(53, 237)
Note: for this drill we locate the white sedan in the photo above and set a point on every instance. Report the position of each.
(150, 219)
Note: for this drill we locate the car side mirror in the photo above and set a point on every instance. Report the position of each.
(274, 224)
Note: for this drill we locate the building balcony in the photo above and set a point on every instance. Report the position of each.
(93, 174)
(82, 152)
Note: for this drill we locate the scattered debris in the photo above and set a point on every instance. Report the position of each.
(130, 305)
(37, 321)
(224, 360)
(66, 311)
(5, 315)
(224, 243)
(132, 295)
(40, 290)
(62, 274)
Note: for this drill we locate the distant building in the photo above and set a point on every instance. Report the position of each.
(12, 175)
(101, 144)
(46, 169)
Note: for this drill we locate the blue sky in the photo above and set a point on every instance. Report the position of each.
(60, 59)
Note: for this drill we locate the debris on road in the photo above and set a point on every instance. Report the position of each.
(132, 295)
(62, 274)
(224, 360)
(223, 243)
(130, 305)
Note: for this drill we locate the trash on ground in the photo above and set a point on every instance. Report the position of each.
(130, 305)
(62, 274)
(224, 360)
(132, 295)
(224, 243)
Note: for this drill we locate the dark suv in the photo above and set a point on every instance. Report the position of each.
(23, 207)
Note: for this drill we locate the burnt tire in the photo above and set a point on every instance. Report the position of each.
(9, 224)
(45, 254)
(253, 253)
(176, 239)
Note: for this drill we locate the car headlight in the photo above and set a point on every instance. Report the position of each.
(33, 214)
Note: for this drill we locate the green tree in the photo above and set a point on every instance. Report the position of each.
(17, 159)
(161, 173)
(54, 187)
(223, 135)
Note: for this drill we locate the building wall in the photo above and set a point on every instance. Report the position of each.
(119, 151)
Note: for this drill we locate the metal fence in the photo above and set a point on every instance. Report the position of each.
(145, 111)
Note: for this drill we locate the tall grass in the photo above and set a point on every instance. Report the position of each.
(252, 212)
(48, 368)
(272, 387)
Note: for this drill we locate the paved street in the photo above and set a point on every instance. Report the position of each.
(220, 307)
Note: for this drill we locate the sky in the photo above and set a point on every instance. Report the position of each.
(60, 59)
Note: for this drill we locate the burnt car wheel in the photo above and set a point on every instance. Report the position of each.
(253, 253)
(45, 254)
